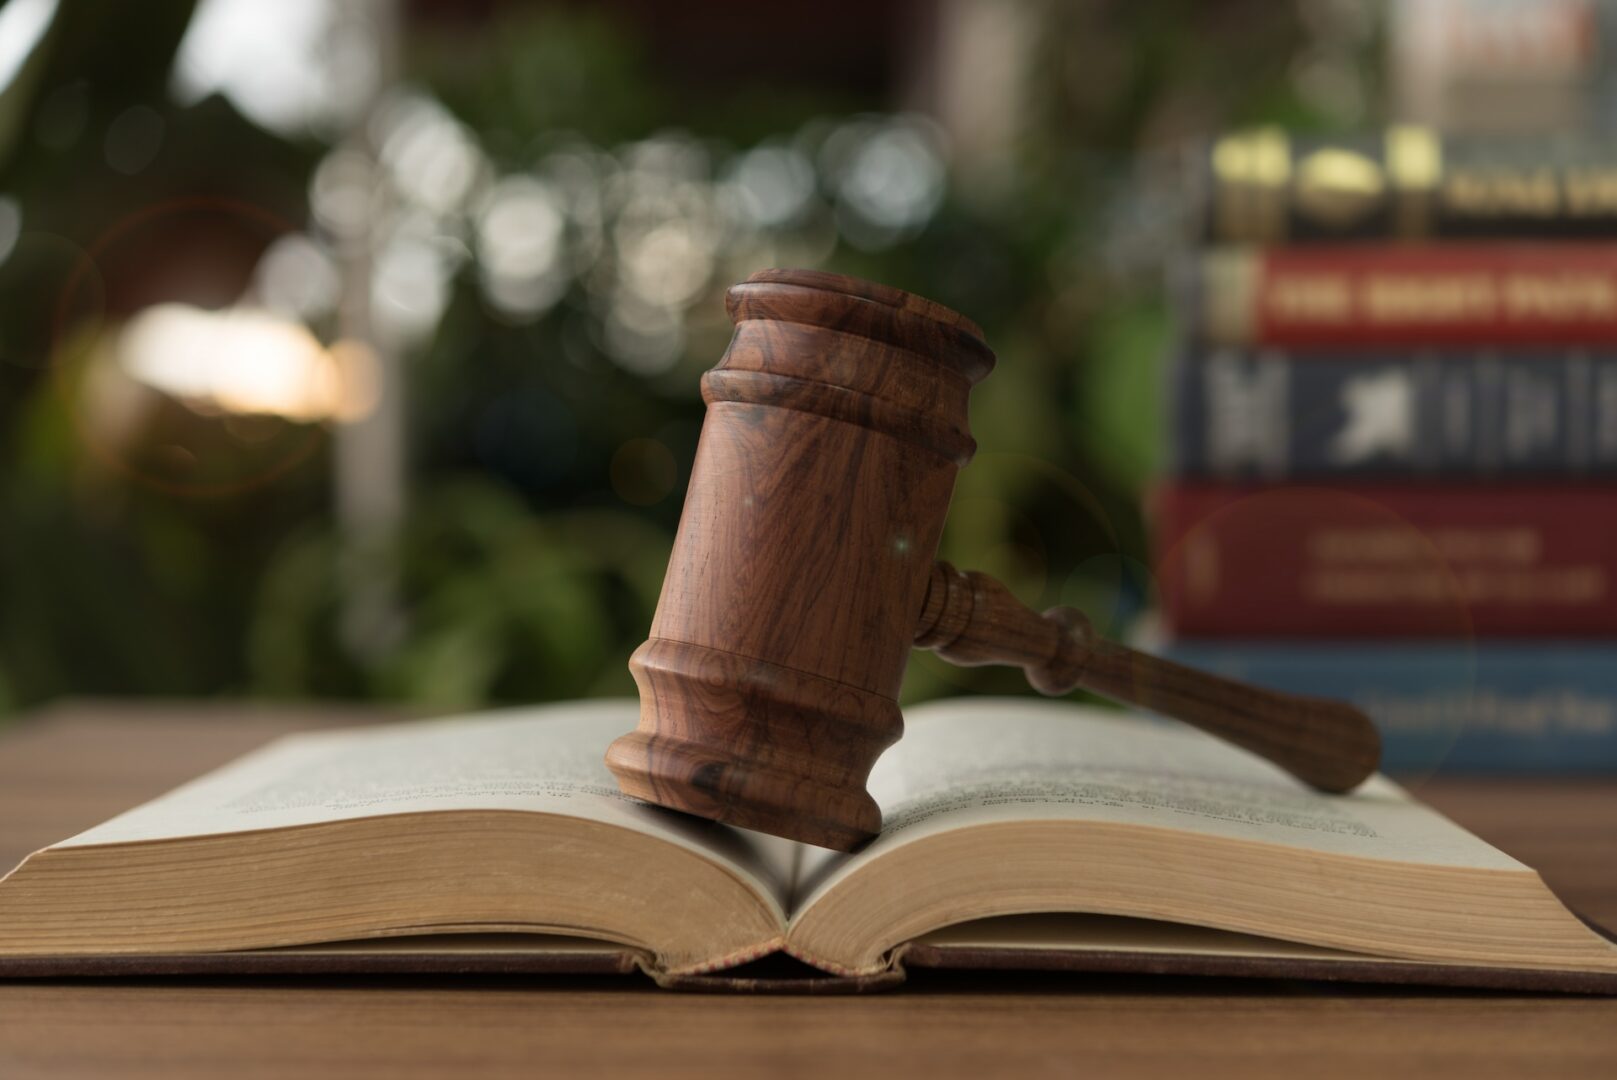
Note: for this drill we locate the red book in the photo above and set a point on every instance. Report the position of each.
(1388, 561)
(1390, 295)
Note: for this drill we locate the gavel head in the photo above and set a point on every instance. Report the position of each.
(836, 422)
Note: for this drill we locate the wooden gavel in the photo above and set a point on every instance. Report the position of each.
(803, 574)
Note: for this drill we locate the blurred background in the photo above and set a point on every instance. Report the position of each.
(351, 349)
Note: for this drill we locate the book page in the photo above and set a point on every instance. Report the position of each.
(1065, 931)
(547, 759)
(979, 761)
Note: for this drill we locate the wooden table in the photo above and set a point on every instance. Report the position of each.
(72, 766)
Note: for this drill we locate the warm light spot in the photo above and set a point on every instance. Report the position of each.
(240, 361)
(359, 379)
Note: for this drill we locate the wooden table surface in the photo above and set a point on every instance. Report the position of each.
(74, 765)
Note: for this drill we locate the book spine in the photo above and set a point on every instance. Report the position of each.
(1242, 414)
(1399, 561)
(1454, 708)
(1266, 187)
(1405, 295)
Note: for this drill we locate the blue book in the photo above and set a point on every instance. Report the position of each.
(1241, 413)
(1494, 707)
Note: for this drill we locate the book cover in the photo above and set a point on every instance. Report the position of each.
(1388, 560)
(1242, 413)
(1406, 295)
(1454, 707)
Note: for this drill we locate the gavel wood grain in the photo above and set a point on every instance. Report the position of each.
(802, 575)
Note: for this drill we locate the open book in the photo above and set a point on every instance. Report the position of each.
(1016, 833)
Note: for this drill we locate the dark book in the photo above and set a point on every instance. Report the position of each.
(1387, 560)
(1405, 295)
(1265, 186)
(1277, 414)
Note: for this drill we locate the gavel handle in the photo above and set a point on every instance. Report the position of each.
(970, 619)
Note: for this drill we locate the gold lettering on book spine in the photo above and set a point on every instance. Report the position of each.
(1251, 171)
(1415, 167)
(1580, 585)
(1339, 187)
(1429, 298)
(1355, 566)
(1591, 192)
(1588, 297)
(1317, 298)
(1502, 192)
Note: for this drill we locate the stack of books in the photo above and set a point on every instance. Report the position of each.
(1394, 470)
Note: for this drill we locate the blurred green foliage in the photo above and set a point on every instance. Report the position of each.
(535, 542)
(504, 604)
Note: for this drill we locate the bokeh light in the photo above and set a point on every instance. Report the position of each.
(298, 278)
(281, 63)
(521, 234)
(240, 361)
